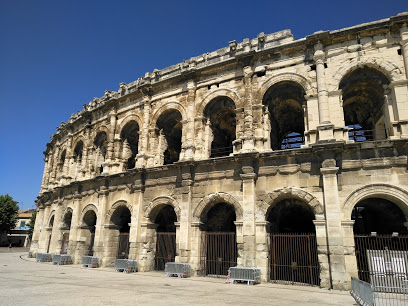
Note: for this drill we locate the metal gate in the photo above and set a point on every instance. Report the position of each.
(91, 245)
(293, 259)
(218, 253)
(383, 261)
(123, 246)
(64, 243)
(165, 250)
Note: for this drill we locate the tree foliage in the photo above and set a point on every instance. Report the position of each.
(32, 223)
(8, 213)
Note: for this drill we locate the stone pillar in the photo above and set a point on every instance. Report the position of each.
(37, 229)
(142, 156)
(54, 174)
(400, 96)
(195, 252)
(184, 235)
(340, 279)
(147, 245)
(349, 248)
(325, 127)
(312, 113)
(248, 142)
(323, 253)
(86, 152)
(188, 147)
(42, 243)
(48, 163)
(262, 249)
(260, 135)
(248, 190)
(199, 124)
(136, 192)
(239, 131)
(69, 160)
(55, 244)
(108, 166)
(75, 226)
(100, 234)
(404, 46)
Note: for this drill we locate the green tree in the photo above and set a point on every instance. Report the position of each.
(8, 213)
(32, 223)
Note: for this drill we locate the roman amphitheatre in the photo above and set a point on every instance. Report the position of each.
(274, 152)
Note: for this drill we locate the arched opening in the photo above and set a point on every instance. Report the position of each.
(62, 161)
(285, 101)
(130, 142)
(220, 126)
(165, 237)
(219, 251)
(169, 133)
(65, 228)
(363, 102)
(293, 248)
(100, 145)
(381, 243)
(89, 227)
(50, 226)
(119, 232)
(76, 167)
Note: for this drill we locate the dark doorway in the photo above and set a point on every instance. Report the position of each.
(219, 247)
(121, 218)
(165, 237)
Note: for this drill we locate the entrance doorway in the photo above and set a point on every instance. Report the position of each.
(292, 246)
(219, 246)
(165, 238)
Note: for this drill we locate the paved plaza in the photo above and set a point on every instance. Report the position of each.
(23, 281)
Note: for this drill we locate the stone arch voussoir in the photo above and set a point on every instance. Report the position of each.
(218, 94)
(396, 195)
(166, 107)
(389, 69)
(210, 200)
(153, 208)
(126, 120)
(115, 206)
(272, 198)
(85, 210)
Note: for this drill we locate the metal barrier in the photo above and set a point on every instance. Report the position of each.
(244, 274)
(125, 265)
(44, 257)
(365, 294)
(62, 259)
(90, 262)
(176, 268)
(30, 254)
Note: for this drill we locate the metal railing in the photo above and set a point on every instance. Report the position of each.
(357, 133)
(177, 268)
(62, 259)
(292, 141)
(44, 257)
(249, 275)
(125, 265)
(90, 262)
(365, 294)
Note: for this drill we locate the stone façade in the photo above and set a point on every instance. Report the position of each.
(213, 129)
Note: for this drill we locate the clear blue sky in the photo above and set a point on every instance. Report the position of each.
(56, 56)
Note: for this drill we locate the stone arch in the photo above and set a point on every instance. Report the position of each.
(394, 194)
(153, 208)
(66, 211)
(52, 215)
(126, 120)
(167, 107)
(390, 70)
(115, 206)
(76, 140)
(284, 77)
(101, 128)
(85, 210)
(274, 197)
(212, 199)
(218, 94)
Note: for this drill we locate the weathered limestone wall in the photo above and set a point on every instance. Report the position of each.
(86, 163)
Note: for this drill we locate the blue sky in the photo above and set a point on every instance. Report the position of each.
(56, 56)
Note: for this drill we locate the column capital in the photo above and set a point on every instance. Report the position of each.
(329, 171)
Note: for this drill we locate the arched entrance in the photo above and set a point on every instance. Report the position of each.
(381, 244)
(50, 226)
(119, 231)
(165, 237)
(130, 142)
(65, 228)
(285, 101)
(363, 104)
(220, 126)
(89, 223)
(169, 134)
(219, 246)
(293, 248)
